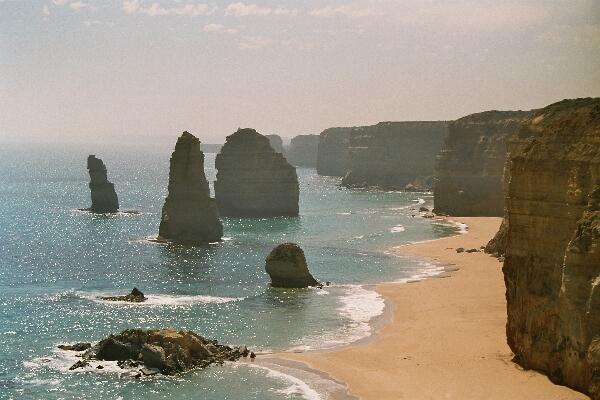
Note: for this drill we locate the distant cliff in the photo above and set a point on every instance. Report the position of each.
(253, 180)
(552, 264)
(469, 168)
(333, 156)
(276, 143)
(303, 151)
(394, 155)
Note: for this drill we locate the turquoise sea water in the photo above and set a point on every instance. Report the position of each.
(56, 260)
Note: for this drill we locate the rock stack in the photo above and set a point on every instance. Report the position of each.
(286, 265)
(276, 143)
(394, 155)
(104, 197)
(189, 215)
(469, 168)
(303, 151)
(333, 156)
(552, 262)
(253, 180)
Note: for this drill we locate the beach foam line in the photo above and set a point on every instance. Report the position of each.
(297, 387)
(397, 229)
(159, 299)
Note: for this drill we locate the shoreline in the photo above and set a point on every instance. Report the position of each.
(441, 338)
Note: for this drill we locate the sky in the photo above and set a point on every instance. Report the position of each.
(128, 69)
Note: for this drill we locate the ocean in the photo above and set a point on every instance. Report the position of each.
(55, 261)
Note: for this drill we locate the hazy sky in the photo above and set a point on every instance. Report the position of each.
(95, 69)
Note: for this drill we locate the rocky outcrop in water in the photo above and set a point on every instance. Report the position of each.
(136, 296)
(189, 215)
(394, 155)
(253, 180)
(286, 265)
(469, 168)
(332, 154)
(276, 143)
(104, 197)
(303, 151)
(165, 350)
(552, 264)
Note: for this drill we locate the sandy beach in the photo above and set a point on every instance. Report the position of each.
(445, 338)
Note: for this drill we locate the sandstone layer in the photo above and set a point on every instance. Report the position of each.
(253, 180)
(332, 154)
(286, 265)
(394, 155)
(552, 264)
(303, 151)
(469, 168)
(189, 215)
(104, 197)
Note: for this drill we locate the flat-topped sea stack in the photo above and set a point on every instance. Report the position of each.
(253, 180)
(303, 151)
(332, 154)
(469, 168)
(552, 264)
(104, 197)
(286, 265)
(276, 143)
(394, 155)
(189, 215)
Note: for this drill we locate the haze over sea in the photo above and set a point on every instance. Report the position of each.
(56, 260)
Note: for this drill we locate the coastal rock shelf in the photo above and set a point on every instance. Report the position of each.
(189, 215)
(303, 151)
(332, 155)
(104, 197)
(469, 168)
(552, 265)
(394, 155)
(253, 180)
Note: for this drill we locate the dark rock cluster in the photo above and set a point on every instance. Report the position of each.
(136, 296)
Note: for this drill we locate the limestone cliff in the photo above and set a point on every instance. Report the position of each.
(104, 197)
(189, 215)
(394, 155)
(253, 180)
(469, 168)
(552, 264)
(332, 154)
(303, 151)
(276, 143)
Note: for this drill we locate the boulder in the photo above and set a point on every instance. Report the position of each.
(286, 265)
(253, 180)
(189, 215)
(136, 296)
(104, 197)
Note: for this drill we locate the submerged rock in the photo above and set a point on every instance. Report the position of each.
(552, 262)
(104, 197)
(165, 350)
(136, 296)
(189, 215)
(286, 265)
(75, 347)
(253, 180)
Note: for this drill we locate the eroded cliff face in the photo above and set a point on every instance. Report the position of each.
(394, 155)
(189, 215)
(469, 168)
(333, 155)
(552, 265)
(303, 151)
(253, 180)
(104, 197)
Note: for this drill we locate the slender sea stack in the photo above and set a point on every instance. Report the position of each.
(552, 262)
(276, 143)
(104, 197)
(333, 155)
(253, 180)
(286, 265)
(394, 155)
(469, 168)
(189, 215)
(303, 151)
